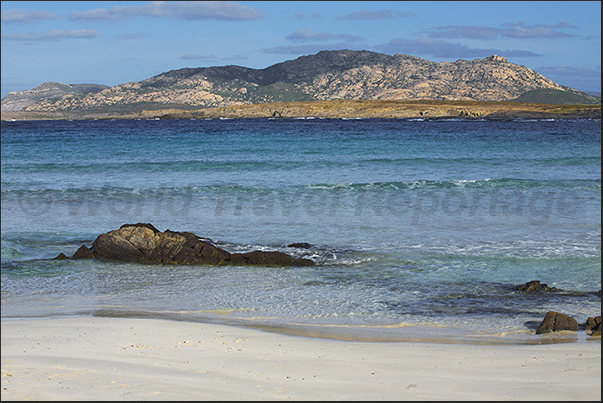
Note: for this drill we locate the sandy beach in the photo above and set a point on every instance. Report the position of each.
(92, 358)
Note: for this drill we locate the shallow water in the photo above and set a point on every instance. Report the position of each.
(412, 223)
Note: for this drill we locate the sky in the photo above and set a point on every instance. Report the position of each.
(116, 42)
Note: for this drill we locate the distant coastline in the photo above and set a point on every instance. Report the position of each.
(334, 109)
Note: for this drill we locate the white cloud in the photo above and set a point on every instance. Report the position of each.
(178, 10)
(22, 16)
(446, 50)
(376, 15)
(518, 30)
(301, 16)
(192, 56)
(308, 35)
(585, 79)
(308, 49)
(564, 70)
(54, 35)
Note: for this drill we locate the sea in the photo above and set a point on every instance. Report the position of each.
(420, 229)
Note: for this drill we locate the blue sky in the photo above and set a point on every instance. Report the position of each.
(115, 42)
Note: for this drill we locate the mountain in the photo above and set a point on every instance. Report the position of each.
(17, 101)
(327, 75)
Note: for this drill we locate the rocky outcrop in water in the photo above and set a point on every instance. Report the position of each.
(143, 243)
(536, 286)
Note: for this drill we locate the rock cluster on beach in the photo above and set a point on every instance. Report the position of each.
(144, 243)
(556, 321)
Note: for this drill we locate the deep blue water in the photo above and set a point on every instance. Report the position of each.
(411, 222)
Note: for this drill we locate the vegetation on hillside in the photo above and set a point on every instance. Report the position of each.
(337, 109)
(554, 96)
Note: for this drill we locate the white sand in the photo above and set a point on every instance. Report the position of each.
(143, 359)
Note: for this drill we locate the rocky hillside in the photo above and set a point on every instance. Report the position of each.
(327, 75)
(18, 101)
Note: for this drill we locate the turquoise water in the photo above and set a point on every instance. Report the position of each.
(411, 222)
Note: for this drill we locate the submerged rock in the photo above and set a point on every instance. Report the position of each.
(301, 245)
(265, 258)
(535, 286)
(146, 244)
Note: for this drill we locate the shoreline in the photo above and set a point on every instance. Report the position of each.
(100, 358)
(422, 332)
(333, 109)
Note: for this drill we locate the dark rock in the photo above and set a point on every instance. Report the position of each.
(267, 259)
(556, 322)
(535, 286)
(146, 244)
(61, 256)
(593, 326)
(301, 245)
(83, 253)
